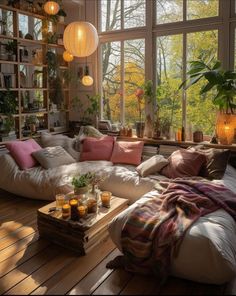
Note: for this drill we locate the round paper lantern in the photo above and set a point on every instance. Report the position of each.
(87, 80)
(51, 7)
(67, 56)
(80, 39)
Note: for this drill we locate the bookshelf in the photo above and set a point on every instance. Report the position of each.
(40, 98)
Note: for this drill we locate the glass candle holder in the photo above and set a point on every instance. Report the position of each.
(66, 209)
(92, 205)
(60, 200)
(106, 199)
(74, 211)
(82, 210)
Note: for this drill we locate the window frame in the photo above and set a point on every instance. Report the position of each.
(225, 23)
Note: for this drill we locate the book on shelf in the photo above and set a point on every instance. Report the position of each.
(4, 138)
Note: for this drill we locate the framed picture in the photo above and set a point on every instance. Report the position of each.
(85, 69)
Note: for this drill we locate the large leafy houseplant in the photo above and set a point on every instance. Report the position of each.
(222, 83)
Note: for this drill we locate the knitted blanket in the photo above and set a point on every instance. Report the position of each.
(154, 230)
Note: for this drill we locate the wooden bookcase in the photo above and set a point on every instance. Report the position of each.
(26, 74)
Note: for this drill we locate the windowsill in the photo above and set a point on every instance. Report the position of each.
(178, 143)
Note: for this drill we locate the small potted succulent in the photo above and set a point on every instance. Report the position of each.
(82, 183)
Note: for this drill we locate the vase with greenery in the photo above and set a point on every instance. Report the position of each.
(82, 183)
(222, 83)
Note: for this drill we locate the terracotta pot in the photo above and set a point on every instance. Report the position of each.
(225, 128)
(140, 126)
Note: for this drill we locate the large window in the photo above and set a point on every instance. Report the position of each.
(159, 48)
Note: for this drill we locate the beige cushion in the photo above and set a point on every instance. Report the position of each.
(52, 157)
(152, 165)
(49, 140)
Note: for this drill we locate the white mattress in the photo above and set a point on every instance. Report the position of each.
(208, 250)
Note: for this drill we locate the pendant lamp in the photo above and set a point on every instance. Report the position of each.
(51, 7)
(87, 80)
(80, 39)
(67, 56)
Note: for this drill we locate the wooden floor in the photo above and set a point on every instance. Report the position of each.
(30, 265)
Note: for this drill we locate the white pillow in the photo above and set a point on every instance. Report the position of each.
(49, 140)
(152, 165)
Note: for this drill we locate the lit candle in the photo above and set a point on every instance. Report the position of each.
(74, 211)
(82, 210)
(106, 198)
(66, 211)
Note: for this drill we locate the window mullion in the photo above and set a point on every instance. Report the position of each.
(122, 100)
(184, 97)
(184, 10)
(122, 14)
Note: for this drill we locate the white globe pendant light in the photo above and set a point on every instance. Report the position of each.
(80, 39)
(51, 7)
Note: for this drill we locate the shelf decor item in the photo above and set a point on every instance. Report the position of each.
(224, 83)
(51, 7)
(80, 39)
(81, 183)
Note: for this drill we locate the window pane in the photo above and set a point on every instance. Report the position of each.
(134, 13)
(197, 9)
(200, 109)
(168, 11)
(169, 77)
(6, 22)
(134, 57)
(111, 83)
(110, 15)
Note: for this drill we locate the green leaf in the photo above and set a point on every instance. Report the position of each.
(217, 65)
(206, 88)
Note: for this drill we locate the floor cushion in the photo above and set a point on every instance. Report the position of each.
(207, 252)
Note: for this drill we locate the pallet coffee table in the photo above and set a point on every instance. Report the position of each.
(80, 236)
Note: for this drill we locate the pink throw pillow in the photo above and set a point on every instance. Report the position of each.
(21, 152)
(97, 149)
(183, 163)
(127, 152)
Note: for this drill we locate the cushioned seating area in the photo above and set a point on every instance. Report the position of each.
(209, 245)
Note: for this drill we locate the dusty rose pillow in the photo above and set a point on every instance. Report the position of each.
(21, 152)
(127, 152)
(184, 163)
(97, 149)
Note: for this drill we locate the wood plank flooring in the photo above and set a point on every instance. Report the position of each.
(30, 265)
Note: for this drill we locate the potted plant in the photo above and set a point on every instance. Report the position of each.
(11, 48)
(81, 183)
(32, 121)
(224, 84)
(140, 125)
(8, 102)
(61, 15)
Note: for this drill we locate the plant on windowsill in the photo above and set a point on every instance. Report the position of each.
(224, 84)
(11, 48)
(140, 125)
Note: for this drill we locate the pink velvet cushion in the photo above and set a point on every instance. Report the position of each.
(21, 152)
(183, 163)
(97, 149)
(127, 152)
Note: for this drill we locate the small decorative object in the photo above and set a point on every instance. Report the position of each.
(214, 140)
(148, 126)
(140, 125)
(11, 48)
(225, 128)
(51, 7)
(74, 211)
(29, 36)
(80, 39)
(61, 15)
(66, 209)
(67, 56)
(60, 200)
(198, 136)
(87, 80)
(129, 132)
(106, 199)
